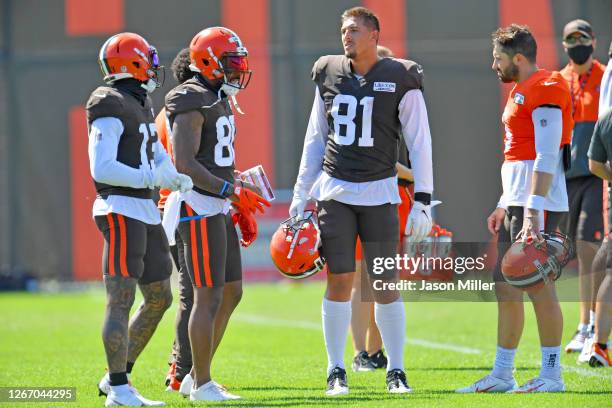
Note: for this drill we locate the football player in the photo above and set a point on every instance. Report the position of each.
(348, 167)
(180, 365)
(538, 124)
(367, 343)
(600, 157)
(203, 131)
(584, 222)
(127, 162)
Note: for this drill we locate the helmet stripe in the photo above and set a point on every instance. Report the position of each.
(102, 57)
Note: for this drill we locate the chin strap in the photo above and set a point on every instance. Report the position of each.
(235, 103)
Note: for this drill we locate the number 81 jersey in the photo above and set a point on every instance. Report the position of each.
(216, 151)
(362, 114)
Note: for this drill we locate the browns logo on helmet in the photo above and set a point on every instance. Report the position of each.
(128, 55)
(217, 53)
(528, 266)
(294, 247)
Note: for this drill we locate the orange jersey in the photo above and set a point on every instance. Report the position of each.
(162, 132)
(584, 91)
(541, 88)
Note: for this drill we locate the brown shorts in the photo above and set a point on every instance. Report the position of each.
(340, 224)
(211, 250)
(134, 249)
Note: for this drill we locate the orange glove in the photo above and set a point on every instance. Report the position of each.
(248, 226)
(246, 200)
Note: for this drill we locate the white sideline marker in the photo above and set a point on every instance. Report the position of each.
(301, 324)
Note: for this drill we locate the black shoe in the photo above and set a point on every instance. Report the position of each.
(396, 382)
(362, 362)
(378, 359)
(336, 382)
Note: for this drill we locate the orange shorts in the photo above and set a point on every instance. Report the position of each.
(403, 209)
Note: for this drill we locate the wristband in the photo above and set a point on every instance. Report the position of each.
(535, 202)
(227, 190)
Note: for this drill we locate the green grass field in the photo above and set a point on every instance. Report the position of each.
(273, 353)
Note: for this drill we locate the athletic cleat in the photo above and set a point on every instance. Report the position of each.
(362, 363)
(129, 397)
(378, 359)
(118, 399)
(540, 384)
(599, 357)
(336, 383)
(104, 386)
(211, 392)
(489, 384)
(585, 354)
(576, 343)
(174, 385)
(186, 386)
(171, 373)
(396, 382)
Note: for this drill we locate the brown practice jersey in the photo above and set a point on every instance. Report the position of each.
(216, 151)
(136, 145)
(362, 114)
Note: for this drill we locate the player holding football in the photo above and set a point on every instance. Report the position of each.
(348, 167)
(203, 131)
(127, 162)
(538, 123)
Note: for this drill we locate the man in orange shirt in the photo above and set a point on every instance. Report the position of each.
(538, 123)
(584, 222)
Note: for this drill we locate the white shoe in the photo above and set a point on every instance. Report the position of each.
(576, 343)
(585, 354)
(540, 384)
(336, 383)
(123, 397)
(104, 388)
(186, 386)
(489, 384)
(211, 392)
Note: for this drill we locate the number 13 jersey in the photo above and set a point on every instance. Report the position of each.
(362, 115)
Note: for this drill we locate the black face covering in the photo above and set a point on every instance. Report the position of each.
(580, 53)
(134, 88)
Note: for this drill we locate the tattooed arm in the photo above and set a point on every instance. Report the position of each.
(120, 294)
(157, 299)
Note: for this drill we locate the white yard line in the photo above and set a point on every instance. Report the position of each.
(301, 324)
(308, 325)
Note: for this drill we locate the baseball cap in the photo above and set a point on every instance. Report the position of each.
(578, 26)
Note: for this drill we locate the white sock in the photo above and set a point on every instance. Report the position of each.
(591, 319)
(551, 363)
(504, 362)
(120, 389)
(583, 328)
(391, 321)
(336, 321)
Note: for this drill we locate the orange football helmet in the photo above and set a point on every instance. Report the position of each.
(218, 53)
(128, 55)
(294, 247)
(528, 266)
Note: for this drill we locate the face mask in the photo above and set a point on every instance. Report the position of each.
(580, 53)
(150, 85)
